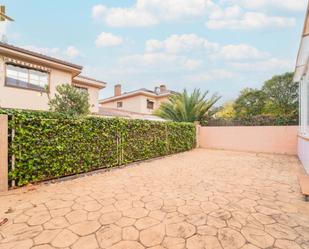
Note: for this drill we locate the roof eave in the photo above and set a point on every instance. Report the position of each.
(82, 80)
(132, 94)
(297, 76)
(9, 50)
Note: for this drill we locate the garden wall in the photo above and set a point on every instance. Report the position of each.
(265, 139)
(45, 146)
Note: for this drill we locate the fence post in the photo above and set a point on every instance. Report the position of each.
(3, 153)
(197, 129)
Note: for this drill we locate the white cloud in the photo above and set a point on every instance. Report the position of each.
(211, 75)
(149, 59)
(6, 35)
(151, 12)
(192, 64)
(290, 5)
(154, 45)
(159, 61)
(180, 43)
(226, 13)
(72, 52)
(250, 20)
(97, 11)
(117, 17)
(69, 52)
(186, 44)
(240, 52)
(175, 9)
(123, 17)
(56, 52)
(271, 64)
(4, 28)
(108, 40)
(221, 15)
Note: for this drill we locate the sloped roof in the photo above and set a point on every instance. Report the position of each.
(141, 91)
(111, 112)
(39, 55)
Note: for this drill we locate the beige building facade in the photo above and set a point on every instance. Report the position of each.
(302, 77)
(142, 101)
(26, 79)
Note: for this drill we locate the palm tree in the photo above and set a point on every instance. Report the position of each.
(183, 107)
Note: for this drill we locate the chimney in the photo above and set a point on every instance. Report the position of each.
(157, 90)
(162, 88)
(117, 90)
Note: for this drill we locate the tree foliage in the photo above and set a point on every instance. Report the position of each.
(183, 107)
(281, 94)
(276, 103)
(70, 101)
(227, 111)
(250, 102)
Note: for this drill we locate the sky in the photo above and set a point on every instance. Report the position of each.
(221, 46)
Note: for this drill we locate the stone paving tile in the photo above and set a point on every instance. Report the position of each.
(203, 199)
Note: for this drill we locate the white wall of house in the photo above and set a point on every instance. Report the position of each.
(132, 104)
(13, 97)
(137, 103)
(144, 108)
(303, 139)
(303, 152)
(20, 98)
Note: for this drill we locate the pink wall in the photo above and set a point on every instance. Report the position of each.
(266, 139)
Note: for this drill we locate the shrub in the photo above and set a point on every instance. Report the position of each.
(70, 101)
(48, 145)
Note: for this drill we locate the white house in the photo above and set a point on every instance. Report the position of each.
(26, 77)
(302, 76)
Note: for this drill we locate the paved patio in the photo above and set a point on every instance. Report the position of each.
(199, 199)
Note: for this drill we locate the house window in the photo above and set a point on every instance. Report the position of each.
(119, 104)
(26, 78)
(82, 89)
(150, 104)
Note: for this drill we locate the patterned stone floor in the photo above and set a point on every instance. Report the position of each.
(199, 199)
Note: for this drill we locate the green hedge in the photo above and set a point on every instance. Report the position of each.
(48, 145)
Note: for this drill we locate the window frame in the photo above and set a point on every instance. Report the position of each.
(47, 90)
(119, 104)
(152, 103)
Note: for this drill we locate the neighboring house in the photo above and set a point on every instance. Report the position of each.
(26, 76)
(142, 101)
(302, 76)
(111, 113)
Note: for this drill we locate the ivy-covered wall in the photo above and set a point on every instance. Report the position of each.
(47, 145)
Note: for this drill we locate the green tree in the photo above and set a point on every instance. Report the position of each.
(250, 102)
(227, 111)
(183, 107)
(282, 95)
(70, 101)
